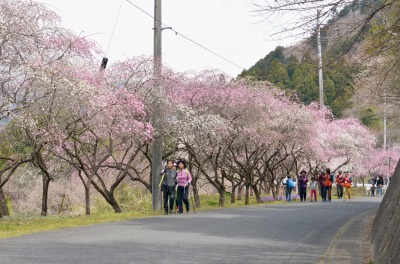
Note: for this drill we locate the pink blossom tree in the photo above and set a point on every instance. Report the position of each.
(33, 46)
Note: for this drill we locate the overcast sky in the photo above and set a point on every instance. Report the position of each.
(230, 28)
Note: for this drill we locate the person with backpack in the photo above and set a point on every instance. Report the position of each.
(339, 184)
(289, 188)
(347, 185)
(168, 186)
(328, 180)
(183, 179)
(302, 180)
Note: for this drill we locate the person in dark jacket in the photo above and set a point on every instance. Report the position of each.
(302, 180)
(321, 184)
(168, 183)
(379, 184)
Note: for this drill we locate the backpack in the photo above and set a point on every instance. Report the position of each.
(328, 180)
(290, 183)
(347, 182)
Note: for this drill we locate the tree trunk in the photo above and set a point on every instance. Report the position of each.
(3, 204)
(233, 193)
(260, 187)
(256, 193)
(221, 202)
(86, 185)
(196, 195)
(266, 185)
(87, 199)
(278, 191)
(246, 199)
(273, 189)
(114, 203)
(45, 194)
(239, 197)
(251, 192)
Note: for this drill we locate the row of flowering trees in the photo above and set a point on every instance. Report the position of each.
(66, 118)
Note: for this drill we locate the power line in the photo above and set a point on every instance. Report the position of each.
(186, 37)
(115, 25)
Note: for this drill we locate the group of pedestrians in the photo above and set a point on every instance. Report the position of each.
(377, 183)
(323, 182)
(175, 183)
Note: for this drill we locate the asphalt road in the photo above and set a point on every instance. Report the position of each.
(289, 233)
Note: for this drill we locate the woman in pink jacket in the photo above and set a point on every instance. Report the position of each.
(183, 178)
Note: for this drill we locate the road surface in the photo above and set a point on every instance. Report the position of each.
(288, 233)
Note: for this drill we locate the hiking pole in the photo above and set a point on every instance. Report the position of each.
(161, 190)
(175, 199)
(162, 178)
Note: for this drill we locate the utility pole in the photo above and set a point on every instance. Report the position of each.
(320, 78)
(384, 120)
(156, 165)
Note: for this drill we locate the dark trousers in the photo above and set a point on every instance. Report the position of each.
(168, 197)
(340, 191)
(321, 191)
(288, 194)
(303, 194)
(182, 195)
(326, 193)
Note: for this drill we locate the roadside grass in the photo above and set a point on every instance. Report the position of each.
(210, 202)
(137, 206)
(21, 225)
(355, 192)
(17, 225)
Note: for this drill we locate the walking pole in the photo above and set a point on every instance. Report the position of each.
(162, 178)
(176, 197)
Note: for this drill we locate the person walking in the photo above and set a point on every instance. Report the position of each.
(302, 180)
(339, 184)
(289, 188)
(373, 190)
(313, 188)
(321, 178)
(347, 185)
(328, 179)
(379, 183)
(168, 186)
(184, 179)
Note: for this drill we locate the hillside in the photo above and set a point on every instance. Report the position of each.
(295, 70)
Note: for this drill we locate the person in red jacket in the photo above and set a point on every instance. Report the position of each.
(328, 180)
(347, 185)
(339, 184)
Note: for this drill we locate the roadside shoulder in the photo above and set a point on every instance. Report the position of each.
(351, 243)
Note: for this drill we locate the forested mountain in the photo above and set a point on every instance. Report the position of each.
(301, 77)
(295, 69)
